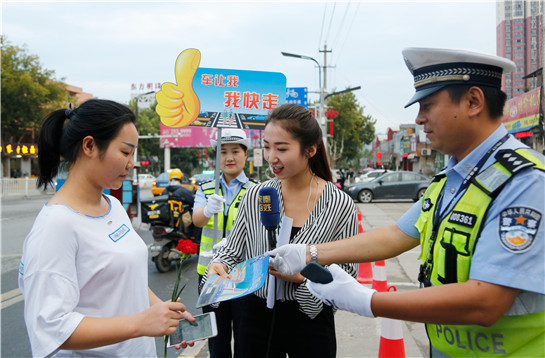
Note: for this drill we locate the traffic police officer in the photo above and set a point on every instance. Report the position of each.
(479, 224)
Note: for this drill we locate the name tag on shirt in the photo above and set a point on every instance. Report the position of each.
(119, 233)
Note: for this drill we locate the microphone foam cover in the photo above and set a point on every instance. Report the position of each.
(269, 209)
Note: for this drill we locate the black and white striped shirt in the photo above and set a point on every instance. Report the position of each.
(333, 218)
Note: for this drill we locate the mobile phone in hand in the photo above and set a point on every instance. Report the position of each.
(317, 273)
(203, 327)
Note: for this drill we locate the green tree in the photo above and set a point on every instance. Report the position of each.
(185, 159)
(29, 92)
(351, 131)
(148, 125)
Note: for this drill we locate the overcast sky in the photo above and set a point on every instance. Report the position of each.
(104, 47)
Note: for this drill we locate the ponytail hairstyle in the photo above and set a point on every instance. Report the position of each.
(298, 121)
(98, 118)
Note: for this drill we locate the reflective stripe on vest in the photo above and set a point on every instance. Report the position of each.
(446, 258)
(225, 224)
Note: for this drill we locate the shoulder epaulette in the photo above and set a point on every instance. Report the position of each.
(249, 183)
(492, 179)
(512, 161)
(208, 184)
(437, 177)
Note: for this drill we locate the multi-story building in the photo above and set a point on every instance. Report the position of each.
(519, 32)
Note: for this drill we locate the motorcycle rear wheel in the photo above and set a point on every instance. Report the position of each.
(162, 262)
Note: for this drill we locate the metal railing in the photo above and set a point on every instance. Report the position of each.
(22, 186)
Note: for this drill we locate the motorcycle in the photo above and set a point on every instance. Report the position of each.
(170, 221)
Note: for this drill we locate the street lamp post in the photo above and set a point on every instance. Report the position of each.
(321, 116)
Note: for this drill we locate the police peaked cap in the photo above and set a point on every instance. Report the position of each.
(232, 135)
(435, 68)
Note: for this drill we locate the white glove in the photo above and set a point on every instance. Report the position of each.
(219, 245)
(214, 205)
(344, 292)
(289, 259)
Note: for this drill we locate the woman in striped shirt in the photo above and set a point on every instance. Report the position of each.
(299, 325)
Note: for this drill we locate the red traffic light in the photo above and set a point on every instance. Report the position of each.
(379, 155)
(144, 162)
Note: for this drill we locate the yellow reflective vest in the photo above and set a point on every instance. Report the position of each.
(225, 222)
(446, 253)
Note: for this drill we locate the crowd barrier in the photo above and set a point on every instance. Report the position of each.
(22, 187)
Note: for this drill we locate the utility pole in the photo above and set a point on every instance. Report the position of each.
(325, 51)
(321, 113)
(321, 107)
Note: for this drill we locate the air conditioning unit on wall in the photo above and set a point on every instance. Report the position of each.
(425, 152)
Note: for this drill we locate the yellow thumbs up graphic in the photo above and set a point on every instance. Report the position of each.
(178, 104)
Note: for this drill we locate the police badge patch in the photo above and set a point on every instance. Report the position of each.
(426, 205)
(518, 227)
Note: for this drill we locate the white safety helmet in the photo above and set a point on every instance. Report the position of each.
(232, 135)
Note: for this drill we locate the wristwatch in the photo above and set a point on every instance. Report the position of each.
(313, 253)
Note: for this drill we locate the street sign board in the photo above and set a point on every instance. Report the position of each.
(297, 95)
(216, 98)
(237, 97)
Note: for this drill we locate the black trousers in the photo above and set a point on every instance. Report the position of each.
(293, 333)
(228, 320)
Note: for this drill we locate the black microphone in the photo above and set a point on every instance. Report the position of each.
(269, 212)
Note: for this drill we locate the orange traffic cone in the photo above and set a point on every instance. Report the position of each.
(365, 273)
(360, 226)
(391, 339)
(379, 278)
(365, 270)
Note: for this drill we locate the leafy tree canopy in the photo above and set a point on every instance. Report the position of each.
(351, 131)
(29, 92)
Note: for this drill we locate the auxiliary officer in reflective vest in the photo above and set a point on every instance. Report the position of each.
(479, 224)
(233, 184)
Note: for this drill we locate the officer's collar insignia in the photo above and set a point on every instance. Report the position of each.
(427, 205)
(518, 227)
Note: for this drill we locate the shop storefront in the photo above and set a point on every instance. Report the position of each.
(523, 118)
(19, 160)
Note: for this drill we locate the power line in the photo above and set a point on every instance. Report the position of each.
(334, 43)
(348, 32)
(331, 21)
(323, 22)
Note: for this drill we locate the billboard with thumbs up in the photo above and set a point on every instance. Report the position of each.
(210, 97)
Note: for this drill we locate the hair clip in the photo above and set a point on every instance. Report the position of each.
(68, 112)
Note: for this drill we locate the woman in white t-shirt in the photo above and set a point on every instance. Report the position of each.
(83, 272)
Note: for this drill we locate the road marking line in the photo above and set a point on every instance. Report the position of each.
(11, 294)
(11, 297)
